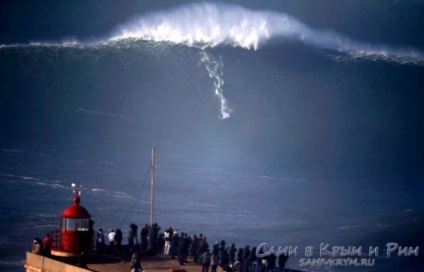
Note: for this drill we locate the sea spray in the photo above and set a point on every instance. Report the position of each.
(214, 66)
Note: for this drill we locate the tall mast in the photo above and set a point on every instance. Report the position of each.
(152, 185)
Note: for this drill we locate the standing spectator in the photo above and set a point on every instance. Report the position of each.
(167, 236)
(205, 261)
(271, 262)
(202, 245)
(47, 245)
(144, 233)
(214, 260)
(180, 249)
(136, 263)
(111, 238)
(100, 241)
(37, 246)
(282, 259)
(245, 254)
(223, 255)
(160, 244)
(174, 244)
(118, 239)
(187, 244)
(194, 248)
(252, 262)
(231, 252)
(240, 260)
(132, 235)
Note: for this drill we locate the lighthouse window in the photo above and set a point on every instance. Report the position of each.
(82, 224)
(78, 224)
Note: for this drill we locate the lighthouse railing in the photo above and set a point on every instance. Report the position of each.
(56, 237)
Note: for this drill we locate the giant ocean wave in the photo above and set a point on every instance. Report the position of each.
(210, 24)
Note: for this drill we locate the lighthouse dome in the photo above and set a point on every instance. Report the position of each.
(75, 210)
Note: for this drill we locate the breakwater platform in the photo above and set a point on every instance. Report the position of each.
(157, 263)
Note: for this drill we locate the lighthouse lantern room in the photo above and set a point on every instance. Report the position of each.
(76, 234)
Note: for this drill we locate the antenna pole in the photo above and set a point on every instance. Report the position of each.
(152, 184)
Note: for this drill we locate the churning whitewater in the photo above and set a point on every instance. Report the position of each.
(210, 25)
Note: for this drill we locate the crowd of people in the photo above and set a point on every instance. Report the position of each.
(180, 246)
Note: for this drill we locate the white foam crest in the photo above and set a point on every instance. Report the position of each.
(209, 25)
(203, 24)
(214, 66)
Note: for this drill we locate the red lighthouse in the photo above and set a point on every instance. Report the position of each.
(76, 234)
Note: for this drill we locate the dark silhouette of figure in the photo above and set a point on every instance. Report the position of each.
(282, 259)
(245, 256)
(202, 245)
(143, 234)
(222, 254)
(195, 249)
(174, 244)
(100, 241)
(231, 252)
(271, 262)
(180, 249)
(252, 264)
(160, 244)
(187, 245)
(239, 260)
(82, 262)
(205, 260)
(214, 260)
(136, 263)
(47, 245)
(118, 239)
(132, 235)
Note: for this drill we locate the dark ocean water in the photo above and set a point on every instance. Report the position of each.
(283, 126)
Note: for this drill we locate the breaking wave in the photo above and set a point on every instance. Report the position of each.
(210, 25)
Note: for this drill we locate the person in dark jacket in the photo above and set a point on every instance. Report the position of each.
(240, 260)
(246, 254)
(180, 249)
(118, 239)
(214, 260)
(271, 262)
(231, 252)
(205, 260)
(174, 244)
(47, 245)
(143, 235)
(136, 263)
(252, 261)
(132, 235)
(282, 259)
